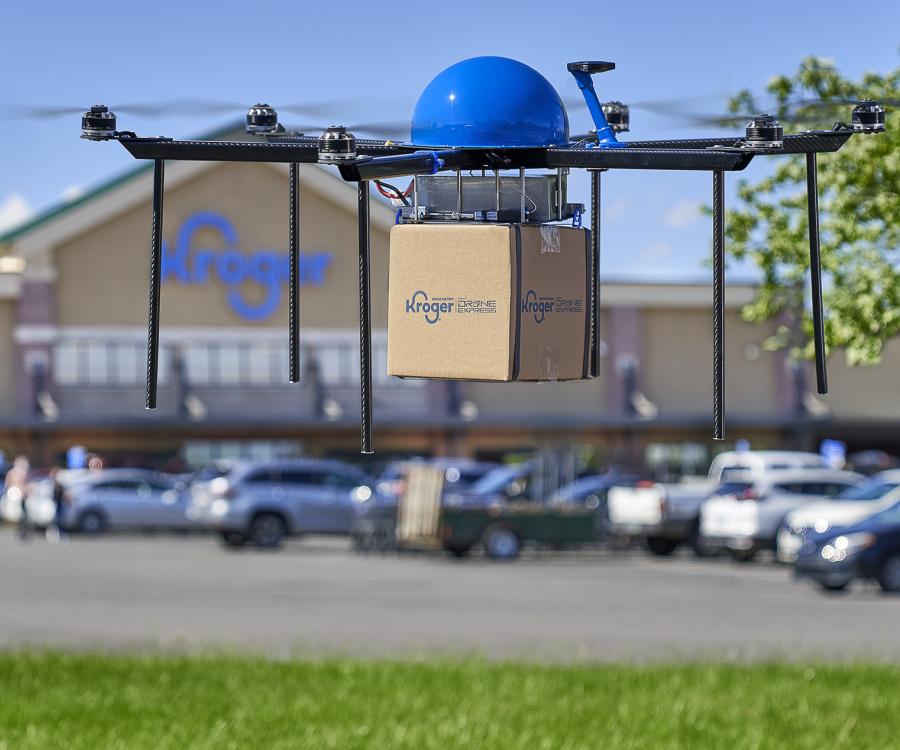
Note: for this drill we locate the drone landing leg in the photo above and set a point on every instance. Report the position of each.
(365, 323)
(294, 277)
(718, 306)
(155, 281)
(815, 268)
(595, 273)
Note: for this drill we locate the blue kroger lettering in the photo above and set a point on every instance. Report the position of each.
(431, 309)
(268, 268)
(537, 306)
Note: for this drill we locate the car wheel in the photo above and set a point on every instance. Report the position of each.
(702, 547)
(92, 522)
(267, 530)
(500, 543)
(889, 575)
(233, 539)
(661, 547)
(743, 555)
(458, 550)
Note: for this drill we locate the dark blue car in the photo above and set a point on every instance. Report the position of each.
(869, 549)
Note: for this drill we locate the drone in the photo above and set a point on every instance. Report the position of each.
(491, 115)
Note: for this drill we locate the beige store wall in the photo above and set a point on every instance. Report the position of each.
(103, 273)
(677, 370)
(581, 397)
(8, 359)
(866, 392)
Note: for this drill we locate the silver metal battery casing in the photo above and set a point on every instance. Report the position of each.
(439, 195)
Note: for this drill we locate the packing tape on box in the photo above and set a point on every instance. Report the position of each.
(549, 372)
(549, 239)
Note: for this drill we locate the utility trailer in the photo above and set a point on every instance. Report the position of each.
(421, 521)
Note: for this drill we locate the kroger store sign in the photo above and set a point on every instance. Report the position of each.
(233, 267)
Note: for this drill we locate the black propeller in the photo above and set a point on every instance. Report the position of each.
(804, 111)
(397, 128)
(187, 107)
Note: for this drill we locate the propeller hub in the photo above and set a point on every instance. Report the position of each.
(868, 117)
(617, 116)
(764, 132)
(261, 118)
(98, 123)
(336, 144)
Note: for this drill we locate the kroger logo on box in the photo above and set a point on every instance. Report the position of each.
(419, 304)
(542, 306)
(433, 308)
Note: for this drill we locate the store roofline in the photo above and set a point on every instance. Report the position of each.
(105, 186)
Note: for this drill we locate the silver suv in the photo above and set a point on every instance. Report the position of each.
(118, 499)
(264, 502)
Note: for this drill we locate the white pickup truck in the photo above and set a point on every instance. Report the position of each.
(665, 516)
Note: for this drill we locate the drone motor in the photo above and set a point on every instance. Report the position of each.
(764, 132)
(261, 118)
(336, 144)
(98, 124)
(617, 115)
(868, 117)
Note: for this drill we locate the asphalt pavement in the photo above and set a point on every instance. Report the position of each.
(317, 598)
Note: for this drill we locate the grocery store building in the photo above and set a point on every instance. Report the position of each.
(73, 306)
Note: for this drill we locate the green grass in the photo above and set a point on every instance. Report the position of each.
(52, 700)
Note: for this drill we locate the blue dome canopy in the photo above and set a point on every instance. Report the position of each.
(489, 102)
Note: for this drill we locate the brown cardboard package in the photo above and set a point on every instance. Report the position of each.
(489, 302)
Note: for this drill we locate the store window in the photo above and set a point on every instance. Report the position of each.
(95, 363)
(216, 363)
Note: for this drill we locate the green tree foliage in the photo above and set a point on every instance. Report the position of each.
(859, 201)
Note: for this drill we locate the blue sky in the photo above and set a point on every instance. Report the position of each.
(380, 56)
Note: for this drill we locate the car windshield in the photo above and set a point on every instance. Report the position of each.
(729, 471)
(733, 488)
(581, 487)
(870, 489)
(497, 479)
(463, 477)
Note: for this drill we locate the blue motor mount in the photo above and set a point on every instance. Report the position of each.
(582, 71)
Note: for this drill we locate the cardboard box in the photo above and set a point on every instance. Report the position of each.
(489, 302)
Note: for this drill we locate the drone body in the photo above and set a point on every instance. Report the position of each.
(489, 102)
(478, 119)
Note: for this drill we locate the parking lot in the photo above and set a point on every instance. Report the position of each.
(315, 597)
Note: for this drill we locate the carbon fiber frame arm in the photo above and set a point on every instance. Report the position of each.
(299, 150)
(813, 141)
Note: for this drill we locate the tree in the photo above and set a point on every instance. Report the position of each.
(859, 202)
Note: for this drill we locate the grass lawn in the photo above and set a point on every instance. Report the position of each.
(52, 700)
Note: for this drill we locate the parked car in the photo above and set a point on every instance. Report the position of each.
(459, 474)
(745, 513)
(591, 490)
(120, 499)
(500, 484)
(869, 549)
(264, 502)
(665, 516)
(852, 506)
